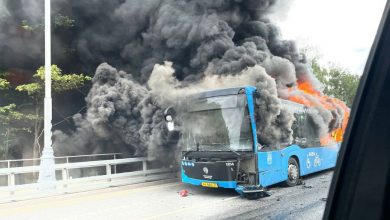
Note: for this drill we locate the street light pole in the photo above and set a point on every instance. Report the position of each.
(47, 175)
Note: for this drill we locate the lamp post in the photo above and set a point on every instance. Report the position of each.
(47, 177)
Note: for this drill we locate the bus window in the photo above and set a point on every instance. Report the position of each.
(309, 132)
(298, 128)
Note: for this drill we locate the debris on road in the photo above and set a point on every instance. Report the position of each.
(184, 193)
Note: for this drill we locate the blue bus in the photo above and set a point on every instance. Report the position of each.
(222, 149)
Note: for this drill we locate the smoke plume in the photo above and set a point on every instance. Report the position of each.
(20, 45)
(170, 49)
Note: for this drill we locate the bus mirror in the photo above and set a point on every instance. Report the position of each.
(169, 115)
(256, 94)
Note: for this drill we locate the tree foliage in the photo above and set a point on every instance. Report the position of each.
(63, 21)
(30, 27)
(9, 115)
(338, 82)
(60, 82)
(4, 84)
(13, 120)
(60, 21)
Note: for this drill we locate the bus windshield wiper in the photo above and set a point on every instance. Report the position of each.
(190, 151)
(187, 152)
(233, 151)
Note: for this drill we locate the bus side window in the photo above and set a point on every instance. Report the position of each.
(255, 96)
(295, 127)
(310, 132)
(298, 129)
(301, 119)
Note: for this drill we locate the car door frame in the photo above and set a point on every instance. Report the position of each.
(361, 184)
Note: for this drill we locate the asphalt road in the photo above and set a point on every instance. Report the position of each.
(160, 200)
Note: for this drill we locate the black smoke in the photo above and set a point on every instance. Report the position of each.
(21, 34)
(135, 35)
(210, 44)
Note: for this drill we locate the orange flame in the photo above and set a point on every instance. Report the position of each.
(316, 98)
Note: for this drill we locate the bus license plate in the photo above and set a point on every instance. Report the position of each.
(212, 185)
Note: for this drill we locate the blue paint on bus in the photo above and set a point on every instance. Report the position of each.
(272, 165)
(197, 182)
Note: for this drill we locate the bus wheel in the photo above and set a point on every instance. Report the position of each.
(293, 172)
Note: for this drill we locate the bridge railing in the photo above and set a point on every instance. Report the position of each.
(60, 159)
(109, 178)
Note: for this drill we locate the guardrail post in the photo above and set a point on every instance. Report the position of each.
(108, 172)
(115, 164)
(9, 164)
(65, 177)
(11, 182)
(144, 167)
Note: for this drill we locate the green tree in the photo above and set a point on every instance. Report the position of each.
(63, 21)
(60, 21)
(338, 82)
(35, 90)
(4, 84)
(17, 117)
(11, 120)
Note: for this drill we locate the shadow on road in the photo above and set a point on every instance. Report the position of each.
(210, 192)
(222, 192)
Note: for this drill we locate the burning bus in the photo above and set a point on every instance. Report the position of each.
(223, 149)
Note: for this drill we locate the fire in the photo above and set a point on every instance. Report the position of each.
(313, 98)
(306, 87)
(326, 140)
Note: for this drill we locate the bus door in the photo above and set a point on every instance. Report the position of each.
(270, 166)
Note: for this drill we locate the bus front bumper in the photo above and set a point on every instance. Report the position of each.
(198, 182)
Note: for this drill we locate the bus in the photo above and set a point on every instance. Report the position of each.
(222, 150)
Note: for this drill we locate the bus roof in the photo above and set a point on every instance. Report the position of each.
(291, 103)
(236, 90)
(221, 92)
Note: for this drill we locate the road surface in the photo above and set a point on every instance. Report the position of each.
(160, 200)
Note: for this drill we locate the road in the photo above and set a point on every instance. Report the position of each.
(160, 200)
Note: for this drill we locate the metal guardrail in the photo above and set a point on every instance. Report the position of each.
(66, 159)
(106, 180)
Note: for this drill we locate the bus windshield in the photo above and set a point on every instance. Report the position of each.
(218, 124)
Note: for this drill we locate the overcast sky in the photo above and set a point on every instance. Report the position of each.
(342, 31)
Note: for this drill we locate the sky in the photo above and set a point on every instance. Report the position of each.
(340, 32)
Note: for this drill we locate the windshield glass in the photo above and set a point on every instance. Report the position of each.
(218, 124)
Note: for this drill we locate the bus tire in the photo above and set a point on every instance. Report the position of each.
(293, 176)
